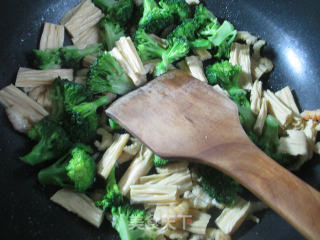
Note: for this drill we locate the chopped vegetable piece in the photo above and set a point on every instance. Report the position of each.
(294, 144)
(132, 223)
(171, 213)
(110, 157)
(35, 78)
(106, 139)
(179, 7)
(147, 48)
(23, 112)
(75, 169)
(72, 56)
(79, 204)
(53, 142)
(240, 55)
(218, 185)
(106, 75)
(52, 37)
(231, 218)
(155, 18)
(140, 166)
(176, 50)
(196, 68)
(110, 32)
(159, 162)
(153, 193)
(200, 221)
(112, 196)
(282, 113)
(119, 11)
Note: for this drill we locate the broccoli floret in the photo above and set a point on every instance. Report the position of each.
(119, 11)
(46, 60)
(179, 7)
(224, 74)
(72, 56)
(76, 169)
(187, 29)
(221, 37)
(75, 93)
(155, 18)
(177, 49)
(159, 162)
(110, 32)
(113, 196)
(114, 125)
(146, 46)
(132, 223)
(53, 142)
(82, 120)
(68, 57)
(65, 93)
(218, 185)
(203, 16)
(106, 75)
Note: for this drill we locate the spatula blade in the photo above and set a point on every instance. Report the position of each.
(176, 115)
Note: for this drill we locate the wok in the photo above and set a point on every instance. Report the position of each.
(289, 26)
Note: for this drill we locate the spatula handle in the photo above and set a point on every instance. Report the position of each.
(290, 197)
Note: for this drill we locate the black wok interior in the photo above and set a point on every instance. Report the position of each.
(291, 28)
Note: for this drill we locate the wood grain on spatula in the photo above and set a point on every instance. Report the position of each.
(179, 117)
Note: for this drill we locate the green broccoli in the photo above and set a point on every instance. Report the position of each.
(71, 56)
(75, 93)
(203, 16)
(65, 93)
(224, 74)
(114, 125)
(159, 162)
(269, 143)
(220, 36)
(53, 142)
(132, 223)
(106, 75)
(75, 169)
(68, 57)
(119, 11)
(82, 120)
(201, 43)
(147, 48)
(187, 29)
(179, 7)
(246, 117)
(177, 49)
(85, 109)
(155, 18)
(46, 59)
(218, 185)
(110, 32)
(57, 99)
(112, 197)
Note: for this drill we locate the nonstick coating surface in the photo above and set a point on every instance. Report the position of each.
(291, 28)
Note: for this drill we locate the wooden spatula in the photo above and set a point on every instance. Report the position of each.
(180, 118)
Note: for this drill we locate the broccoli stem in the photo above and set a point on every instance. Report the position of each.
(88, 108)
(45, 176)
(38, 155)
